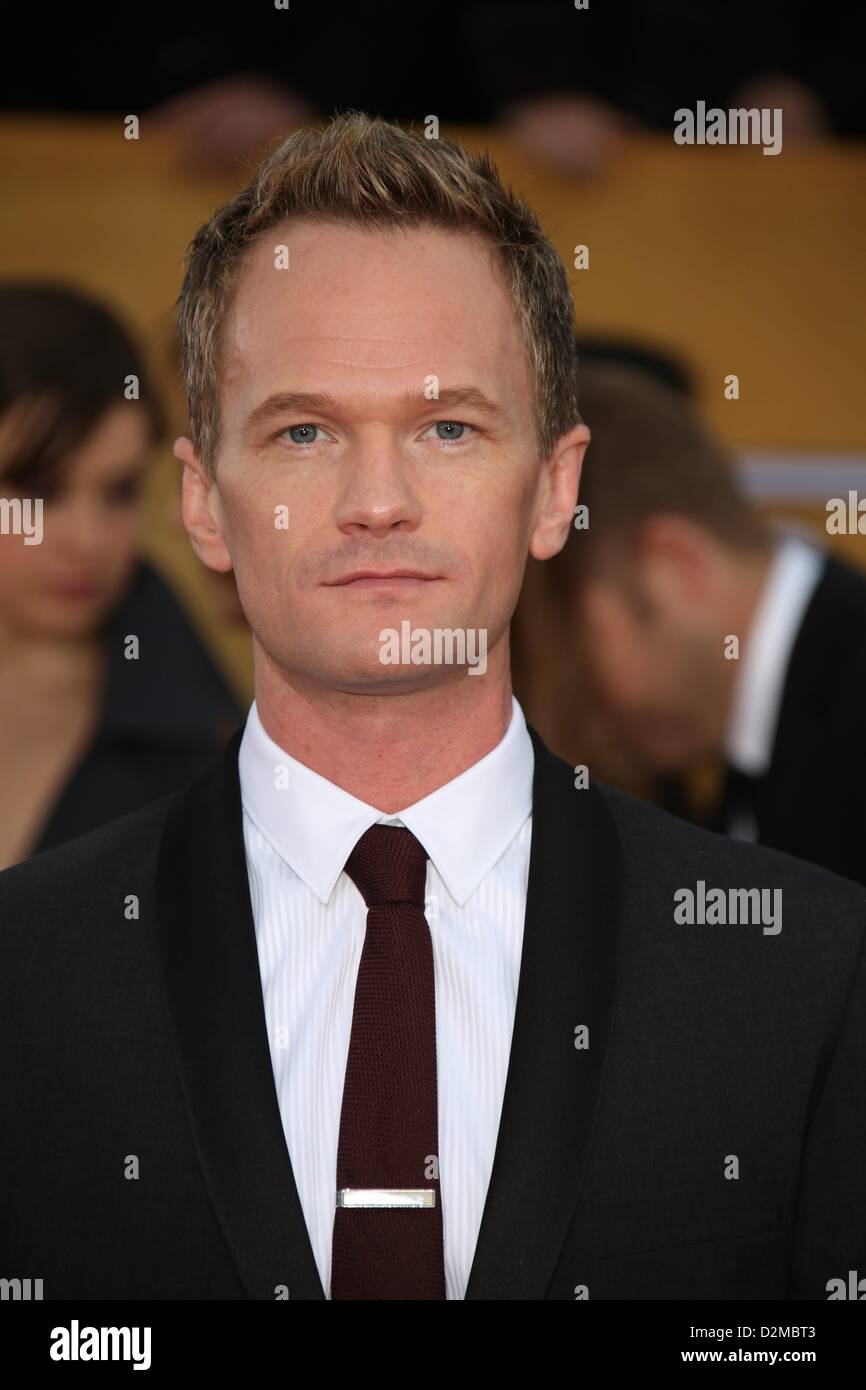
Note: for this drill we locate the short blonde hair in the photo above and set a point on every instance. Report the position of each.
(362, 170)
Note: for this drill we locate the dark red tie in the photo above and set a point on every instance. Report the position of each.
(388, 1219)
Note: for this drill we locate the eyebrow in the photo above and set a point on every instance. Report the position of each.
(283, 402)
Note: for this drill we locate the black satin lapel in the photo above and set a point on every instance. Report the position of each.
(568, 978)
(213, 987)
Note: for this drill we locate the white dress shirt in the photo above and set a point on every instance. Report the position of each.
(789, 586)
(299, 830)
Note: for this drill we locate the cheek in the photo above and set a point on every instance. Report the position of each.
(623, 677)
(263, 548)
(494, 541)
(264, 556)
(262, 525)
(615, 658)
(123, 534)
(20, 567)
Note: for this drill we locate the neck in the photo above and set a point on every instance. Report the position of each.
(387, 750)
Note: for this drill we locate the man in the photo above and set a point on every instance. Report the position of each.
(709, 634)
(385, 1005)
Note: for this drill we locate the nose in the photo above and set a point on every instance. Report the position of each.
(379, 494)
(80, 526)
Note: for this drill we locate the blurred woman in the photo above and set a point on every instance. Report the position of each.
(107, 697)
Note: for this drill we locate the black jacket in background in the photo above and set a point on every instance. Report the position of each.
(164, 715)
(811, 801)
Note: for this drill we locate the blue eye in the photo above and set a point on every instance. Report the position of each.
(293, 429)
(445, 430)
(448, 432)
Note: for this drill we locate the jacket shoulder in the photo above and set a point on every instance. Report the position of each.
(75, 872)
(656, 842)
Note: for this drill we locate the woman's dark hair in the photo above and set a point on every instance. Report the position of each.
(66, 356)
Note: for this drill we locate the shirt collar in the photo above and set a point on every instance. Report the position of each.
(794, 573)
(465, 826)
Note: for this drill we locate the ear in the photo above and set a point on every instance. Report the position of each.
(558, 494)
(201, 509)
(679, 559)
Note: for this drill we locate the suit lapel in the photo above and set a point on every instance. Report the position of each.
(213, 988)
(568, 978)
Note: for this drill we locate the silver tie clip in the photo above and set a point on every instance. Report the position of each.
(386, 1197)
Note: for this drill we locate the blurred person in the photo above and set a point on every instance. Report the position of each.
(658, 363)
(675, 562)
(552, 688)
(393, 975)
(573, 84)
(225, 80)
(86, 733)
(557, 697)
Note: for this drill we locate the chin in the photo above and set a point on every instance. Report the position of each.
(393, 680)
(362, 674)
(670, 757)
(63, 621)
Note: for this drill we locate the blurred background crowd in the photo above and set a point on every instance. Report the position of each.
(702, 641)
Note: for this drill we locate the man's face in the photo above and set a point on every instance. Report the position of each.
(375, 475)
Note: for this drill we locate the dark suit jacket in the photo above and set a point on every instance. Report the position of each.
(811, 802)
(147, 1037)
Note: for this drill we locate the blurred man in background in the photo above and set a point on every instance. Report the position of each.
(707, 633)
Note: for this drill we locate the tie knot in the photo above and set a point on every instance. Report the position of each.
(388, 865)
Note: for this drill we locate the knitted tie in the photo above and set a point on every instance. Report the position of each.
(388, 1146)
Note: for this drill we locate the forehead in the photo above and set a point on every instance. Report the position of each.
(358, 307)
